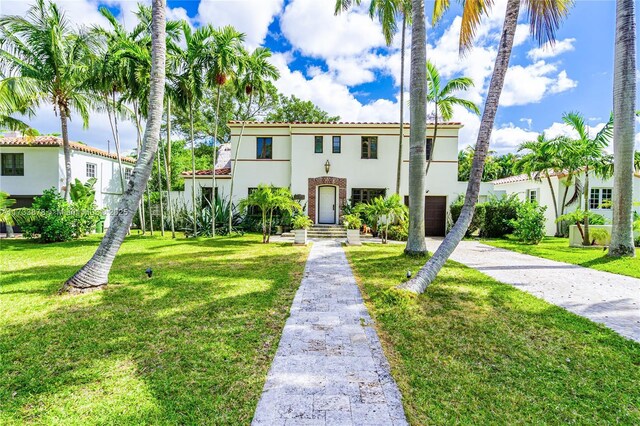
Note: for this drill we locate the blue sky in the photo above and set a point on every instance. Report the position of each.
(342, 64)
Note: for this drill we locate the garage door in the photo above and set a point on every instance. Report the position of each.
(435, 215)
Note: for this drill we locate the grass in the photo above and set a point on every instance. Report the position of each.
(192, 345)
(474, 351)
(558, 249)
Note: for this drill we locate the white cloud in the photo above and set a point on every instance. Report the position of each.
(524, 85)
(251, 17)
(79, 12)
(550, 50)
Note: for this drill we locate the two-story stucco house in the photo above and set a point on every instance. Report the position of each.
(327, 165)
(32, 164)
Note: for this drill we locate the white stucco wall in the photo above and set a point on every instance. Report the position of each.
(41, 171)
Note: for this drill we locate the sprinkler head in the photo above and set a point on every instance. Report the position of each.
(149, 272)
(408, 274)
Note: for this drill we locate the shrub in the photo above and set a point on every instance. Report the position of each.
(599, 236)
(636, 242)
(302, 222)
(499, 214)
(352, 221)
(478, 215)
(529, 225)
(183, 218)
(58, 220)
(399, 232)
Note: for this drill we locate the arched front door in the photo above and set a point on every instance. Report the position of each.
(327, 204)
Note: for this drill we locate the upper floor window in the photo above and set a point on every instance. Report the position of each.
(600, 198)
(127, 173)
(12, 164)
(91, 170)
(264, 148)
(429, 148)
(336, 145)
(532, 195)
(366, 195)
(369, 147)
(318, 144)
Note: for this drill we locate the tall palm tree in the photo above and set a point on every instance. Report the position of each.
(541, 159)
(189, 88)
(387, 12)
(590, 151)
(223, 60)
(14, 100)
(444, 98)
(95, 273)
(44, 54)
(624, 98)
(545, 18)
(256, 75)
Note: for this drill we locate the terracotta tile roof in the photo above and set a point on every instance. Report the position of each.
(54, 141)
(522, 178)
(226, 171)
(333, 123)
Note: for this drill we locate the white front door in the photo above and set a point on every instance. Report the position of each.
(327, 204)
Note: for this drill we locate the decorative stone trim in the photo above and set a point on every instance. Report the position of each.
(341, 183)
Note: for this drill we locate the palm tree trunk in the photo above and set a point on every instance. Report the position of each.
(555, 203)
(234, 166)
(141, 215)
(95, 273)
(160, 191)
(401, 137)
(624, 95)
(116, 141)
(67, 152)
(585, 239)
(418, 112)
(167, 157)
(213, 168)
(433, 141)
(193, 171)
(10, 233)
(428, 273)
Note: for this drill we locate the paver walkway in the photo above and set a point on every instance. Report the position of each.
(610, 299)
(329, 367)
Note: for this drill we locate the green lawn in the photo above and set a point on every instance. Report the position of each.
(558, 249)
(192, 345)
(474, 351)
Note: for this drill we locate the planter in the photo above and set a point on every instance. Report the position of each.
(575, 239)
(353, 237)
(278, 230)
(300, 237)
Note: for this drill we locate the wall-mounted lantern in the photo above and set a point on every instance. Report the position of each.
(327, 166)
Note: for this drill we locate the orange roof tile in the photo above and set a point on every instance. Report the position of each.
(219, 172)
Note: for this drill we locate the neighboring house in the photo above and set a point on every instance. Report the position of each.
(32, 164)
(529, 189)
(327, 165)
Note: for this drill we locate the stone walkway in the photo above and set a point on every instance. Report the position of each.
(610, 299)
(329, 368)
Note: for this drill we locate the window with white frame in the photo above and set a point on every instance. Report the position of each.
(91, 170)
(600, 198)
(533, 196)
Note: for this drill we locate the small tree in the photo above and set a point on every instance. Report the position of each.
(385, 212)
(267, 199)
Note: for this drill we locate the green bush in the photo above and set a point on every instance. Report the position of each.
(398, 232)
(302, 222)
(352, 221)
(478, 215)
(58, 220)
(636, 242)
(599, 236)
(529, 225)
(499, 215)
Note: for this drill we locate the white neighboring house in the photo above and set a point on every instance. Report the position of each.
(32, 164)
(327, 165)
(538, 190)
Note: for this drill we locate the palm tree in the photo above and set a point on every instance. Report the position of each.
(46, 56)
(10, 216)
(444, 98)
(624, 98)
(384, 212)
(590, 151)
(253, 81)
(544, 18)
(223, 61)
(387, 11)
(268, 198)
(189, 87)
(541, 159)
(95, 273)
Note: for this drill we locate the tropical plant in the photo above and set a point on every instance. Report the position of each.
(13, 216)
(267, 199)
(590, 151)
(184, 218)
(385, 212)
(352, 221)
(544, 18)
(578, 218)
(444, 98)
(529, 225)
(256, 75)
(223, 59)
(601, 237)
(499, 214)
(83, 194)
(302, 222)
(47, 60)
(95, 273)
(539, 162)
(624, 109)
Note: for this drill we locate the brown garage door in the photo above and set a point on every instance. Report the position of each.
(435, 215)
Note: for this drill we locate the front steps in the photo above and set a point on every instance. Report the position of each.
(326, 231)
